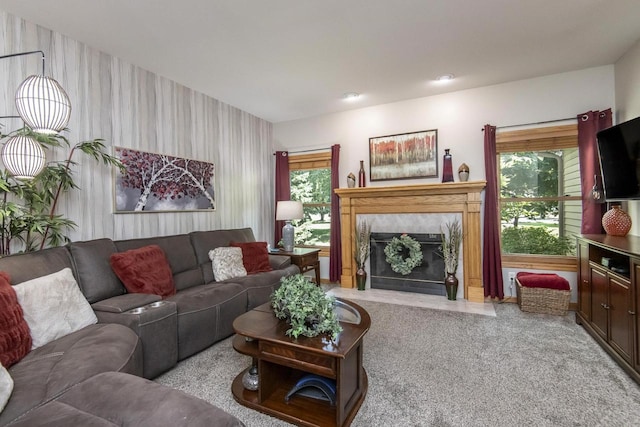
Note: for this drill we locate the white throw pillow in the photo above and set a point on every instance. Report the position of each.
(6, 387)
(53, 306)
(227, 263)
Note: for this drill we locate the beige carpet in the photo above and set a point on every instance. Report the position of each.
(431, 367)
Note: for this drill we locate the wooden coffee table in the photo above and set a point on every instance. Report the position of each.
(282, 361)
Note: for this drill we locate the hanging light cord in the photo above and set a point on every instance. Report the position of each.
(26, 53)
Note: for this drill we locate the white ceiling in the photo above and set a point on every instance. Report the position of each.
(288, 59)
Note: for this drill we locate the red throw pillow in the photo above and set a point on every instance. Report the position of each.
(144, 271)
(543, 280)
(255, 256)
(15, 336)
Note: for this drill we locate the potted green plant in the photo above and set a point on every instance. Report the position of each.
(28, 208)
(306, 307)
(361, 252)
(451, 239)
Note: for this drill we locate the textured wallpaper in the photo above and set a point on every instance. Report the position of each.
(133, 108)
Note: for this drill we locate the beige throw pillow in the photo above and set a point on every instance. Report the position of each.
(227, 263)
(54, 306)
(6, 387)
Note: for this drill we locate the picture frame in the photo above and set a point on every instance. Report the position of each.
(154, 182)
(404, 156)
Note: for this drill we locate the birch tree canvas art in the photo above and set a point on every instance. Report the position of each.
(158, 182)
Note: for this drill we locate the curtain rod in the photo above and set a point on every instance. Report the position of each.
(534, 123)
(307, 151)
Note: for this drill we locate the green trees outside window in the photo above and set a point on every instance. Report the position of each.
(312, 187)
(539, 205)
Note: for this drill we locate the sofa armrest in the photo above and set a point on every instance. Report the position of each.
(156, 323)
(278, 262)
(122, 303)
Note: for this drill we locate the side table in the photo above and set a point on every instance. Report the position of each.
(305, 258)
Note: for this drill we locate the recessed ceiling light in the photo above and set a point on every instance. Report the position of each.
(350, 96)
(445, 78)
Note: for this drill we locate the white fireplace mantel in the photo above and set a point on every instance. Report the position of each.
(451, 197)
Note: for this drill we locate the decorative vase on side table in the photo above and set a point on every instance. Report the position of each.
(616, 222)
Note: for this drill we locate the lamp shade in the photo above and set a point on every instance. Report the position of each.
(288, 210)
(43, 104)
(23, 156)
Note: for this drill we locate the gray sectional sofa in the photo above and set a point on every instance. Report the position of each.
(93, 375)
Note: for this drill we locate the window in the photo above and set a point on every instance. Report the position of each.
(310, 176)
(540, 202)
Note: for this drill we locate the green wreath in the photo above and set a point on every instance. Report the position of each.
(394, 251)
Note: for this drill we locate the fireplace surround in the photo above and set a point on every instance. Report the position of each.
(463, 198)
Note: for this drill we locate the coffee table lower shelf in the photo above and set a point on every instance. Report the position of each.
(299, 410)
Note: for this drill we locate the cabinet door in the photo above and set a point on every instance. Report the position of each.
(599, 301)
(635, 295)
(584, 287)
(621, 321)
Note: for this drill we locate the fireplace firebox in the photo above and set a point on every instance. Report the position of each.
(427, 278)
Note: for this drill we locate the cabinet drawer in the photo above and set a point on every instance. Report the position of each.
(299, 359)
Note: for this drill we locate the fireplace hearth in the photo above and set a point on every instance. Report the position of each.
(427, 278)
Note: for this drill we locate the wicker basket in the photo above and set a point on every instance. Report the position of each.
(543, 300)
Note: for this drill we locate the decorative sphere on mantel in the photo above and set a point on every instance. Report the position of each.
(616, 222)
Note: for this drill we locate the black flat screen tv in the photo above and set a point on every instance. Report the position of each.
(619, 151)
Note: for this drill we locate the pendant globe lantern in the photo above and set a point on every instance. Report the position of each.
(43, 104)
(44, 107)
(23, 157)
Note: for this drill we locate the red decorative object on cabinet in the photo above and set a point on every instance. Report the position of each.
(616, 222)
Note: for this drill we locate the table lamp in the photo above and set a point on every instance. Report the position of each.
(286, 211)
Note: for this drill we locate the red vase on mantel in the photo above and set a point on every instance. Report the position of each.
(616, 222)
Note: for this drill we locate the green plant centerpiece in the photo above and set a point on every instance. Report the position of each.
(306, 308)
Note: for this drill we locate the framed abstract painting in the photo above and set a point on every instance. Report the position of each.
(403, 156)
(154, 182)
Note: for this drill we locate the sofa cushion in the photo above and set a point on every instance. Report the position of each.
(227, 263)
(259, 287)
(48, 371)
(179, 253)
(543, 280)
(204, 241)
(144, 270)
(137, 402)
(93, 270)
(15, 338)
(40, 263)
(206, 314)
(6, 387)
(53, 306)
(255, 256)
